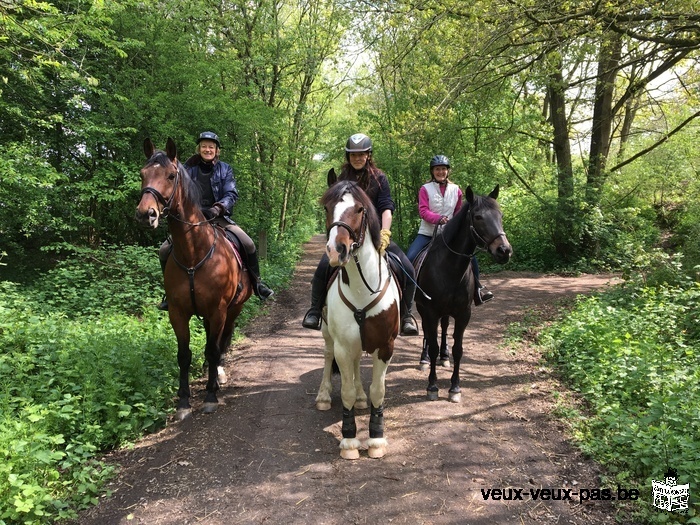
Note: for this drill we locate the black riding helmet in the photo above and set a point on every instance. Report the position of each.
(439, 160)
(358, 143)
(209, 135)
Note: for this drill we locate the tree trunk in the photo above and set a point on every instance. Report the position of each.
(564, 242)
(608, 62)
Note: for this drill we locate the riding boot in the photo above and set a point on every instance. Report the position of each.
(481, 294)
(312, 318)
(260, 288)
(409, 326)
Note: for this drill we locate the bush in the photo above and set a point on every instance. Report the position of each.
(634, 356)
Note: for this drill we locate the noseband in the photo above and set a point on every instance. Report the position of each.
(358, 239)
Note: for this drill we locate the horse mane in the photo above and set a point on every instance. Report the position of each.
(460, 218)
(190, 189)
(335, 194)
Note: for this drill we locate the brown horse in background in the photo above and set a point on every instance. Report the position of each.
(204, 275)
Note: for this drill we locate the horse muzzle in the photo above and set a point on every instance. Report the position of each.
(148, 218)
(338, 253)
(501, 250)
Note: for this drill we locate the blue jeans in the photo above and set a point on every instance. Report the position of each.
(420, 242)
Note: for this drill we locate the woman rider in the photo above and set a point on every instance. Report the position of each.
(217, 185)
(359, 167)
(438, 201)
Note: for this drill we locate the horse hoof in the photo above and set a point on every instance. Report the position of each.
(349, 453)
(445, 363)
(455, 397)
(323, 405)
(376, 452)
(183, 413)
(210, 408)
(423, 366)
(432, 395)
(222, 375)
(361, 405)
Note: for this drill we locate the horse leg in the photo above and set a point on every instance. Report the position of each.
(455, 393)
(181, 327)
(323, 399)
(224, 345)
(213, 353)
(430, 332)
(360, 396)
(349, 445)
(377, 443)
(444, 353)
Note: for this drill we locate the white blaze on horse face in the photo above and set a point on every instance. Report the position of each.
(332, 245)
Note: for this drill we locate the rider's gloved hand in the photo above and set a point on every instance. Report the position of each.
(385, 240)
(215, 211)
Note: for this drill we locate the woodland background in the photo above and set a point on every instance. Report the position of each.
(586, 114)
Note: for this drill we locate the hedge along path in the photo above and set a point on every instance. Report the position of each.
(268, 456)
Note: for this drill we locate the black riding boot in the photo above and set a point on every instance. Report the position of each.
(481, 294)
(408, 322)
(260, 288)
(312, 319)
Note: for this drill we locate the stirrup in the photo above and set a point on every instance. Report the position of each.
(312, 319)
(263, 291)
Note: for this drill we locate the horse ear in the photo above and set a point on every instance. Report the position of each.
(332, 177)
(494, 193)
(469, 193)
(171, 149)
(148, 147)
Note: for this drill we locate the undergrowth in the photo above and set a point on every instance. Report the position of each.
(87, 364)
(633, 355)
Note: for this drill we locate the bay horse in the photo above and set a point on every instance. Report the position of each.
(204, 275)
(361, 313)
(445, 276)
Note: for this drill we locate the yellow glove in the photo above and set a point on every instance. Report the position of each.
(385, 240)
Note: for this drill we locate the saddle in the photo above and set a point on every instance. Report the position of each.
(235, 245)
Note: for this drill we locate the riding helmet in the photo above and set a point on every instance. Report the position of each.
(358, 143)
(439, 160)
(209, 135)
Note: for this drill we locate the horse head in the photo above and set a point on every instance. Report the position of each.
(487, 225)
(349, 215)
(159, 180)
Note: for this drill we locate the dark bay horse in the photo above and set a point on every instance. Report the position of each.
(361, 313)
(446, 276)
(204, 275)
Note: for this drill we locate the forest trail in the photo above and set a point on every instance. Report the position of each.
(267, 456)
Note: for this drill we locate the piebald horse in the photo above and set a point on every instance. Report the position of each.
(361, 313)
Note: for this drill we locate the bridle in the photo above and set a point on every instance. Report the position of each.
(159, 196)
(358, 241)
(484, 246)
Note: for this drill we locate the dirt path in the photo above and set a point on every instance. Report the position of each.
(268, 456)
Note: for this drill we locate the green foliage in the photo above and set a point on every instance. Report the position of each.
(634, 356)
(88, 364)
